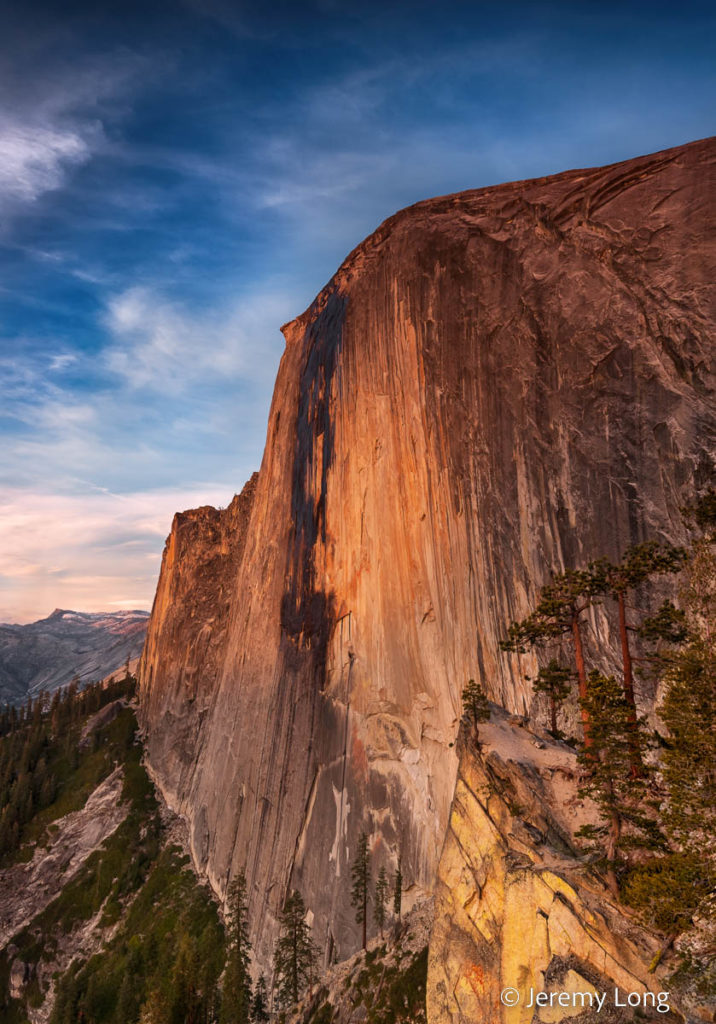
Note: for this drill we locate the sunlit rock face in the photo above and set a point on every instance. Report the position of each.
(187, 637)
(495, 385)
(517, 911)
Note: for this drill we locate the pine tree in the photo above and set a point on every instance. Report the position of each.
(558, 614)
(259, 1007)
(672, 889)
(185, 999)
(360, 873)
(398, 890)
(554, 680)
(607, 762)
(689, 706)
(236, 997)
(295, 956)
(475, 707)
(155, 1009)
(640, 563)
(381, 896)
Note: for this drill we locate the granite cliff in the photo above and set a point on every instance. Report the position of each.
(494, 386)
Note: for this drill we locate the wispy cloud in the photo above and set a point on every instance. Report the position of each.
(55, 122)
(158, 344)
(87, 552)
(35, 159)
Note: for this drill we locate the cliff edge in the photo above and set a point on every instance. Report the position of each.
(494, 386)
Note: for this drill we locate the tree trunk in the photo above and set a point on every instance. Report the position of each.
(581, 677)
(637, 766)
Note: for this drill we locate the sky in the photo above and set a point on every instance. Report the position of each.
(179, 179)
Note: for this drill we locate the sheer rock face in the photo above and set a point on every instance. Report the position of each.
(186, 641)
(494, 386)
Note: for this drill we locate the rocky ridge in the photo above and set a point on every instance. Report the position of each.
(49, 653)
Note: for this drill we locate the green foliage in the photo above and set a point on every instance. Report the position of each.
(701, 514)
(474, 702)
(236, 1001)
(668, 625)
(295, 956)
(555, 681)
(639, 564)
(607, 779)
(323, 1015)
(164, 963)
(360, 875)
(398, 889)
(559, 603)
(167, 954)
(43, 773)
(667, 890)
(259, 1005)
(475, 705)
(381, 897)
(391, 992)
(689, 713)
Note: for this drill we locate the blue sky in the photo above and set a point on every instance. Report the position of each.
(179, 179)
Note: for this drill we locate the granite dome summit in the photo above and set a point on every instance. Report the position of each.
(494, 386)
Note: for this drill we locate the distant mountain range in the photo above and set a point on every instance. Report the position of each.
(47, 654)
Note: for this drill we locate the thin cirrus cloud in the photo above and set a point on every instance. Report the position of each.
(156, 344)
(92, 551)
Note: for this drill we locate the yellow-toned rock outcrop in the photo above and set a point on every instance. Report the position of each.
(517, 910)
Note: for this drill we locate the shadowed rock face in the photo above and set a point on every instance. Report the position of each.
(495, 385)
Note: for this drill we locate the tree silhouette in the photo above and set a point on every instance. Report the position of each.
(360, 874)
(558, 613)
(398, 889)
(295, 955)
(475, 707)
(236, 1000)
(381, 896)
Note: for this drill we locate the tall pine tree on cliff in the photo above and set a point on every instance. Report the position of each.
(360, 874)
(398, 889)
(672, 889)
(381, 897)
(559, 612)
(475, 707)
(689, 706)
(608, 780)
(295, 955)
(641, 562)
(236, 998)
